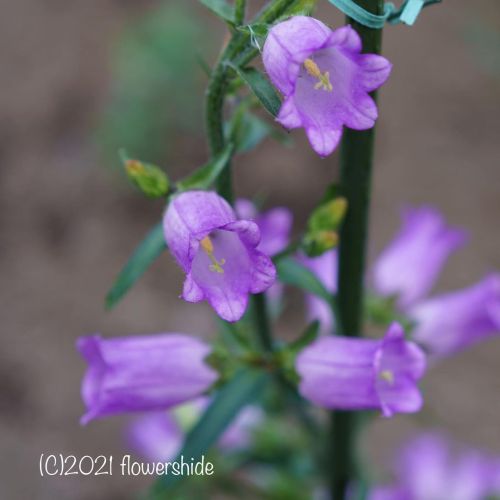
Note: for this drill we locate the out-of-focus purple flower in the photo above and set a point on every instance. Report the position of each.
(158, 436)
(324, 79)
(142, 373)
(411, 263)
(325, 269)
(426, 470)
(217, 252)
(274, 224)
(355, 374)
(451, 322)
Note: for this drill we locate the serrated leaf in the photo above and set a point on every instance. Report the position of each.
(206, 175)
(221, 9)
(145, 254)
(292, 272)
(245, 387)
(262, 88)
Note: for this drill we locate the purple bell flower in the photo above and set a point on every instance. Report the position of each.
(142, 373)
(426, 470)
(217, 252)
(451, 322)
(411, 263)
(324, 79)
(356, 374)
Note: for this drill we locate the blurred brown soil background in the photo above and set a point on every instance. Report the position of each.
(68, 223)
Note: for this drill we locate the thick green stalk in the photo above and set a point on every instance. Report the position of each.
(355, 178)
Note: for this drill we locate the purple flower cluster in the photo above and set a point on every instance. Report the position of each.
(407, 270)
(226, 255)
(426, 470)
(225, 259)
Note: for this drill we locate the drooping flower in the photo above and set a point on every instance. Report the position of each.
(409, 266)
(325, 269)
(355, 374)
(324, 79)
(426, 469)
(451, 322)
(152, 372)
(217, 252)
(158, 436)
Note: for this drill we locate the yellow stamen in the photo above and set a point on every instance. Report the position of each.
(387, 375)
(208, 247)
(324, 78)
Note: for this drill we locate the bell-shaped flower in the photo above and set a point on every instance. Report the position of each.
(217, 252)
(324, 79)
(409, 266)
(451, 322)
(142, 373)
(360, 374)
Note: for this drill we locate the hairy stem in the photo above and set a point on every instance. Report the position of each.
(355, 178)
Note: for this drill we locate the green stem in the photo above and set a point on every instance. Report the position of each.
(217, 87)
(355, 178)
(239, 11)
(261, 320)
(214, 115)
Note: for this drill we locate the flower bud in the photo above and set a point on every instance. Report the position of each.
(149, 179)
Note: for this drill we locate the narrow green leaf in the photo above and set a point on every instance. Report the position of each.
(261, 87)
(145, 254)
(293, 273)
(245, 387)
(206, 175)
(221, 9)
